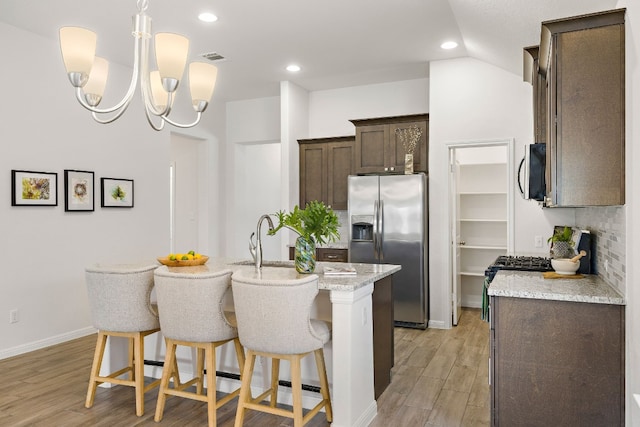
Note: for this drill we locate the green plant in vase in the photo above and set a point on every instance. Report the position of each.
(315, 224)
(561, 243)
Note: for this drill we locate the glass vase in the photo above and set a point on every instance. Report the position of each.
(305, 255)
(408, 164)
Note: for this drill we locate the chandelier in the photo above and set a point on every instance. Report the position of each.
(88, 73)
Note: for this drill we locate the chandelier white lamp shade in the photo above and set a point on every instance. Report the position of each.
(88, 73)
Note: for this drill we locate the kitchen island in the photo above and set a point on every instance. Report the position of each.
(556, 351)
(347, 301)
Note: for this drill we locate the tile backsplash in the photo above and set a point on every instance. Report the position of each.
(343, 218)
(607, 227)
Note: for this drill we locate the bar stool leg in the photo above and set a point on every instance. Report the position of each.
(138, 356)
(101, 342)
(296, 389)
(211, 383)
(275, 378)
(200, 355)
(245, 387)
(324, 384)
(169, 360)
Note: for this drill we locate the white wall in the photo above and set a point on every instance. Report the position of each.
(190, 212)
(254, 168)
(331, 110)
(45, 249)
(294, 110)
(632, 154)
(474, 101)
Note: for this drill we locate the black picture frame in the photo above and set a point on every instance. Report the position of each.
(79, 192)
(30, 188)
(116, 193)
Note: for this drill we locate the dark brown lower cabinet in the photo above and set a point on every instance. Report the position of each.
(556, 363)
(382, 334)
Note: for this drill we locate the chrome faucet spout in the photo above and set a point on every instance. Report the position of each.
(256, 248)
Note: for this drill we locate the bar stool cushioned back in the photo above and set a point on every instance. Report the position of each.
(274, 321)
(119, 300)
(119, 297)
(191, 308)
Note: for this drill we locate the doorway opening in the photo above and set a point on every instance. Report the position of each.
(481, 219)
(188, 189)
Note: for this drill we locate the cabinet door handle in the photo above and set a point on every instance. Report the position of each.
(392, 168)
(386, 169)
(331, 256)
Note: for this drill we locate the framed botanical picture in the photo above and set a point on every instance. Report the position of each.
(116, 193)
(78, 191)
(30, 188)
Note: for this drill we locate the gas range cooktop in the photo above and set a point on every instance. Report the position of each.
(521, 263)
(528, 263)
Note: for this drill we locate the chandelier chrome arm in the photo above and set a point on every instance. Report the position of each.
(184, 126)
(157, 88)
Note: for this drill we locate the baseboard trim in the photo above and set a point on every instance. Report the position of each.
(472, 301)
(437, 324)
(366, 417)
(37, 345)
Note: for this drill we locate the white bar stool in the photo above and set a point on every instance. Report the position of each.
(190, 304)
(119, 300)
(274, 321)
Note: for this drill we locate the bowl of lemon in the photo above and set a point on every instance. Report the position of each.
(188, 259)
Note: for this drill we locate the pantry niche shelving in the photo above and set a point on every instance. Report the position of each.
(483, 212)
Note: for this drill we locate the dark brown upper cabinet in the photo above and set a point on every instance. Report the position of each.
(325, 164)
(583, 62)
(379, 150)
(532, 75)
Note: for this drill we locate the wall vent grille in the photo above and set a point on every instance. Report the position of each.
(213, 56)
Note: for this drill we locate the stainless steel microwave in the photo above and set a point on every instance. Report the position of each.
(531, 173)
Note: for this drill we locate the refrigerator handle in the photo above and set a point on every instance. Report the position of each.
(380, 230)
(375, 229)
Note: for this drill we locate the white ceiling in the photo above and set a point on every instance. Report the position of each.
(338, 43)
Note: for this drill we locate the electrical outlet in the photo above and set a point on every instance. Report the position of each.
(13, 316)
(537, 240)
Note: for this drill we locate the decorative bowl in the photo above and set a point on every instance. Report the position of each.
(565, 266)
(183, 263)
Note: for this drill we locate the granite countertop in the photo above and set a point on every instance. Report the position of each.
(273, 270)
(335, 245)
(531, 284)
(332, 245)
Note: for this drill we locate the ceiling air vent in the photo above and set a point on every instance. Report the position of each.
(213, 57)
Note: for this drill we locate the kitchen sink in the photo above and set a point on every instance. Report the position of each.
(288, 264)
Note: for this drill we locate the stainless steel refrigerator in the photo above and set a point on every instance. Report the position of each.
(388, 224)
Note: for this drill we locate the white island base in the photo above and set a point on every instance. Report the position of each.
(345, 300)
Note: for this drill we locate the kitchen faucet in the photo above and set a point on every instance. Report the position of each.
(256, 248)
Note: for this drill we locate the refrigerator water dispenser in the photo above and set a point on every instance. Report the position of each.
(362, 227)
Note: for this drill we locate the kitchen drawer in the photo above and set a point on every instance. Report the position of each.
(332, 254)
(326, 254)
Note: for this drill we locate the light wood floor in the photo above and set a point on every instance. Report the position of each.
(439, 379)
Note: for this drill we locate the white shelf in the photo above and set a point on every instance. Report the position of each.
(483, 220)
(472, 273)
(483, 193)
(484, 247)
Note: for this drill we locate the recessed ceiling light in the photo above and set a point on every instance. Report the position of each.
(293, 68)
(449, 45)
(207, 17)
